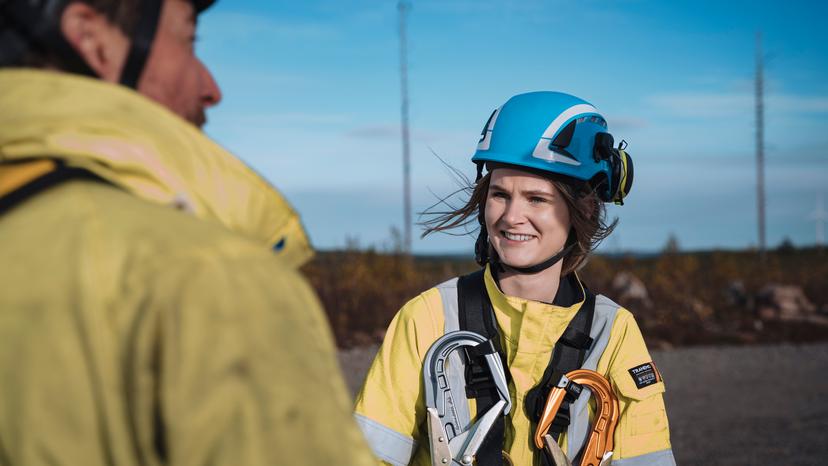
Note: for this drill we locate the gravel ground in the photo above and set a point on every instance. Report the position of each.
(753, 405)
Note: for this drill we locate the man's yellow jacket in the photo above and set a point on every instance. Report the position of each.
(391, 408)
(152, 314)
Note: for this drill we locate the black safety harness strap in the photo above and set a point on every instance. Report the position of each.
(56, 174)
(477, 315)
(568, 355)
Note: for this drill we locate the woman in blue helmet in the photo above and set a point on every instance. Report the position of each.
(550, 166)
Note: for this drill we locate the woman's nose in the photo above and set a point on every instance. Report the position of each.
(513, 213)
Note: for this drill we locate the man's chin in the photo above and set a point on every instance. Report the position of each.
(198, 119)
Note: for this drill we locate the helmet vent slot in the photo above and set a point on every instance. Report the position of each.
(564, 137)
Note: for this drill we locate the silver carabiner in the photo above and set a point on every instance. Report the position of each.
(449, 443)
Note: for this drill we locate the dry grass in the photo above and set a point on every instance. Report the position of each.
(689, 302)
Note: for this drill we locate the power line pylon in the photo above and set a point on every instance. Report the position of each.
(403, 7)
(760, 147)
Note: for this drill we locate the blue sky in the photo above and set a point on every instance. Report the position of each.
(312, 98)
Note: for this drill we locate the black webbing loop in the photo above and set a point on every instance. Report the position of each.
(487, 347)
(576, 338)
(478, 378)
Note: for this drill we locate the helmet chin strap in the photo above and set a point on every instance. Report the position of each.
(141, 43)
(534, 268)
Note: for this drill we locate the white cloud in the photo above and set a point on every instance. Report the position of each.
(383, 132)
(246, 26)
(721, 104)
(796, 103)
(691, 104)
(626, 122)
(253, 123)
(392, 132)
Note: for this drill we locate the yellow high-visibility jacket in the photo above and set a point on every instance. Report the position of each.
(154, 315)
(390, 407)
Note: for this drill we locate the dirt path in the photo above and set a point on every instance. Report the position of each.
(756, 405)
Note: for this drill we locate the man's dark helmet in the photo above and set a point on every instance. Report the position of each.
(35, 24)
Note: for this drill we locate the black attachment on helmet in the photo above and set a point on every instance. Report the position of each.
(481, 245)
(620, 182)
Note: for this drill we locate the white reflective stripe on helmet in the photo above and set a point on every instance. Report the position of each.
(542, 150)
(486, 137)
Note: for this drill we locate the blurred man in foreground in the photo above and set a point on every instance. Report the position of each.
(150, 308)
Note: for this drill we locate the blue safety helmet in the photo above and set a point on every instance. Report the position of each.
(559, 134)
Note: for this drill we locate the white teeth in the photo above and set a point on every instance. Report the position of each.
(515, 237)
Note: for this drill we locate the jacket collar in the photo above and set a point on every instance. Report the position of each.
(570, 292)
(535, 325)
(140, 146)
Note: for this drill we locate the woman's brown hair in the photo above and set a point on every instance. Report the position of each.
(587, 215)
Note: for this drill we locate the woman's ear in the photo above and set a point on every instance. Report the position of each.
(99, 42)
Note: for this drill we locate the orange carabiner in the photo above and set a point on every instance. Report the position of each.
(606, 415)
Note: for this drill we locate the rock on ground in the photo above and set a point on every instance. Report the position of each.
(750, 405)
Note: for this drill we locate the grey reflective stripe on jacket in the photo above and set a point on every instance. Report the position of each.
(602, 321)
(387, 444)
(656, 458)
(457, 382)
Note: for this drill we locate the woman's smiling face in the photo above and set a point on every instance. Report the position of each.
(526, 217)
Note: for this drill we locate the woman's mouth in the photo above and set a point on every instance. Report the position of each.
(516, 236)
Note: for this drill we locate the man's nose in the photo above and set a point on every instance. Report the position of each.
(210, 92)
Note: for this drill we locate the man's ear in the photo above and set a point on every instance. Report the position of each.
(99, 42)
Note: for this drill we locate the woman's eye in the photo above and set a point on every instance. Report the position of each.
(499, 195)
(537, 200)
